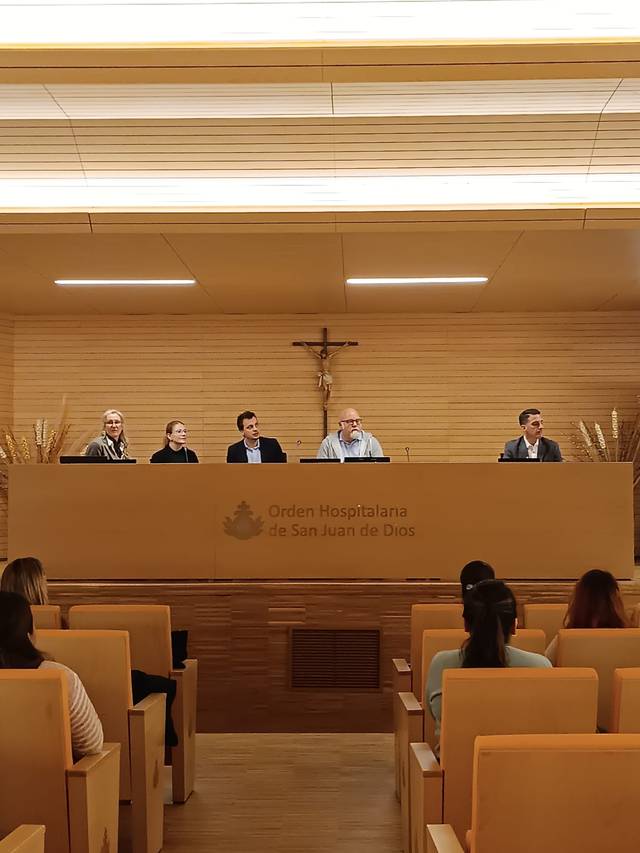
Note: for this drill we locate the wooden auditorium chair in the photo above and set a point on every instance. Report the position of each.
(149, 627)
(101, 659)
(24, 839)
(546, 617)
(625, 702)
(604, 649)
(416, 726)
(46, 616)
(41, 784)
(491, 701)
(406, 673)
(550, 794)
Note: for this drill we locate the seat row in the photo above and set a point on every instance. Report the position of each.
(102, 645)
(503, 701)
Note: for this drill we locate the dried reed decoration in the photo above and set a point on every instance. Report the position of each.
(46, 447)
(621, 445)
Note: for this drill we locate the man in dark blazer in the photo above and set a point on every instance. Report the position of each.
(253, 447)
(532, 444)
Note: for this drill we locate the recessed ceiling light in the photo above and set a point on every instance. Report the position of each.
(132, 282)
(478, 279)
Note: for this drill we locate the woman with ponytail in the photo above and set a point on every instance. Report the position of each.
(490, 620)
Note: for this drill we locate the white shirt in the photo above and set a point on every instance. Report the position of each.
(253, 453)
(532, 449)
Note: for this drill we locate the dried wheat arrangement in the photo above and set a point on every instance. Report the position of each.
(45, 447)
(622, 444)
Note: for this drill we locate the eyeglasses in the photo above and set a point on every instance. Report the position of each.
(113, 423)
(351, 421)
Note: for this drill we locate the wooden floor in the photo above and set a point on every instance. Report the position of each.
(317, 793)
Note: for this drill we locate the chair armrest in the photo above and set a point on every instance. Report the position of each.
(410, 704)
(442, 839)
(93, 791)
(427, 762)
(401, 675)
(146, 736)
(183, 756)
(24, 839)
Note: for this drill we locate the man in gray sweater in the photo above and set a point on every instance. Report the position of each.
(350, 441)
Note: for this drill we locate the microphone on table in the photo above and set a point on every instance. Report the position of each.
(186, 453)
(406, 450)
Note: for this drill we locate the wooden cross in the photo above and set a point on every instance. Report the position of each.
(325, 379)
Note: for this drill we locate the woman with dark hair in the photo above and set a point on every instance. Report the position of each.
(490, 620)
(25, 575)
(596, 603)
(474, 572)
(18, 652)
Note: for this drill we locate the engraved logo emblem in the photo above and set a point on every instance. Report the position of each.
(243, 525)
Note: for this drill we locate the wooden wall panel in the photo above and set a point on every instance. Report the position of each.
(447, 386)
(6, 405)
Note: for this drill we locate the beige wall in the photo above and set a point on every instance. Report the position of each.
(449, 386)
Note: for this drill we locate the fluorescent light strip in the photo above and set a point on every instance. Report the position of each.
(118, 282)
(411, 281)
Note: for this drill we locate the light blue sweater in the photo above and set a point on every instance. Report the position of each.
(452, 659)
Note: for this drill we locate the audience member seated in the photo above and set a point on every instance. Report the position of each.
(596, 603)
(473, 573)
(490, 619)
(26, 577)
(18, 652)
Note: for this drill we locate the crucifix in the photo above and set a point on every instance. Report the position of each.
(325, 379)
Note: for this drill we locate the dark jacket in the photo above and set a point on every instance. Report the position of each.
(270, 451)
(548, 450)
(169, 455)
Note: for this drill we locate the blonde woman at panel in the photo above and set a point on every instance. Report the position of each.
(112, 441)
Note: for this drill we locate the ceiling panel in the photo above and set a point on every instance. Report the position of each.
(267, 274)
(421, 255)
(44, 258)
(565, 271)
(289, 273)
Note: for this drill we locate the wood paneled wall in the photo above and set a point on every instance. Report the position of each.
(6, 405)
(447, 386)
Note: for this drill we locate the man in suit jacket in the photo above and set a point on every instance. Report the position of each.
(253, 447)
(532, 444)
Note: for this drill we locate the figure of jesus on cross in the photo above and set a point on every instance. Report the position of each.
(325, 377)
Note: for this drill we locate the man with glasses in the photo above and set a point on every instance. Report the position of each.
(350, 440)
(532, 444)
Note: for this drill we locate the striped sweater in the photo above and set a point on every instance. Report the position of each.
(86, 728)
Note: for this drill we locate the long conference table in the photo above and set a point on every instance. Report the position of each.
(402, 521)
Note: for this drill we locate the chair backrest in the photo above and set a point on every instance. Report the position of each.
(604, 649)
(557, 793)
(149, 627)
(625, 701)
(423, 618)
(46, 616)
(529, 640)
(547, 617)
(505, 701)
(108, 684)
(35, 750)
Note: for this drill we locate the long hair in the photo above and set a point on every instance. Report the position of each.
(26, 576)
(16, 625)
(169, 429)
(489, 616)
(596, 603)
(123, 437)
